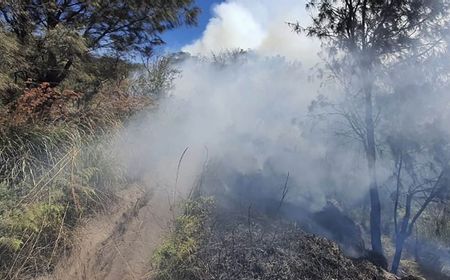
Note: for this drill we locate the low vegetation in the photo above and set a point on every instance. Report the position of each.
(54, 171)
(212, 243)
(175, 259)
(70, 81)
(66, 88)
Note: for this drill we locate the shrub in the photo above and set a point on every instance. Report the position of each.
(45, 104)
(51, 174)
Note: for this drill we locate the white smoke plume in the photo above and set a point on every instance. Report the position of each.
(259, 25)
(252, 116)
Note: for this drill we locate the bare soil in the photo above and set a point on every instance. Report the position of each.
(118, 245)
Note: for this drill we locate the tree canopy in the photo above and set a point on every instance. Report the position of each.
(55, 34)
(378, 29)
(368, 40)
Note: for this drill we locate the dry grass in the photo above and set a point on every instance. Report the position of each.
(54, 169)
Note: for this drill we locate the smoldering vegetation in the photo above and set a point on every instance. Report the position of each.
(230, 244)
(270, 134)
(355, 150)
(250, 115)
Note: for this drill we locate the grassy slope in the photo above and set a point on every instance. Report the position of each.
(53, 171)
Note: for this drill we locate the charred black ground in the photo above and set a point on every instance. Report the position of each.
(210, 242)
(258, 247)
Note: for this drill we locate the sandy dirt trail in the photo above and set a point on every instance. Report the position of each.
(118, 245)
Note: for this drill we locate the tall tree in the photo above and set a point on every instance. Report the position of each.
(414, 130)
(99, 25)
(362, 35)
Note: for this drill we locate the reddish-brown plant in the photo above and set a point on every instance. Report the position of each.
(44, 104)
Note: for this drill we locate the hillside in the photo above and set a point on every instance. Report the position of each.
(224, 139)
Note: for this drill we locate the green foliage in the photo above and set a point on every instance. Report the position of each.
(173, 258)
(56, 165)
(374, 31)
(229, 57)
(367, 44)
(10, 243)
(27, 234)
(35, 218)
(59, 51)
(92, 72)
(56, 37)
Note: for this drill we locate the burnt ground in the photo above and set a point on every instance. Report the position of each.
(256, 235)
(254, 246)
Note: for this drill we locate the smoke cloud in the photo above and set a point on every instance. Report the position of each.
(247, 120)
(250, 116)
(260, 26)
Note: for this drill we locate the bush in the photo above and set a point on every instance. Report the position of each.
(45, 104)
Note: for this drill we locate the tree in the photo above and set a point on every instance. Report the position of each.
(424, 183)
(418, 142)
(361, 36)
(65, 30)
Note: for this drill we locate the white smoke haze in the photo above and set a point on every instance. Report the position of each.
(251, 116)
(259, 25)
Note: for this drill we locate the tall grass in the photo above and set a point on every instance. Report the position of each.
(56, 163)
(51, 175)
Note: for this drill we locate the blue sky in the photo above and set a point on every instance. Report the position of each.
(180, 37)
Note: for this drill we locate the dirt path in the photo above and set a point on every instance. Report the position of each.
(118, 245)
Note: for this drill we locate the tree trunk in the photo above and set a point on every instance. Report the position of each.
(54, 74)
(375, 220)
(399, 243)
(402, 235)
(375, 205)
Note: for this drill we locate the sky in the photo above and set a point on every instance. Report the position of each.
(257, 25)
(179, 37)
